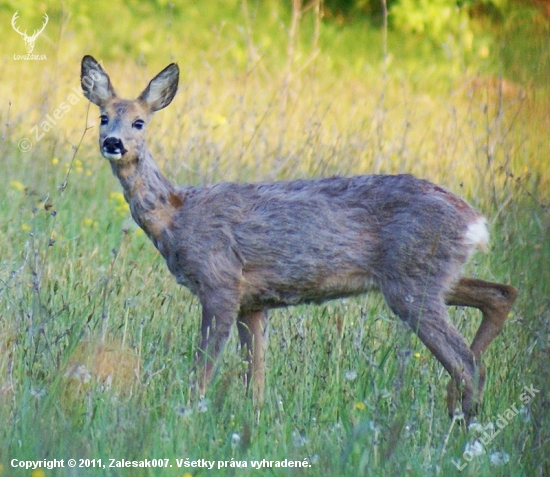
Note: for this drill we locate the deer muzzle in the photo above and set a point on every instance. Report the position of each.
(113, 148)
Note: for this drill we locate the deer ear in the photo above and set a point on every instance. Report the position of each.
(161, 90)
(95, 82)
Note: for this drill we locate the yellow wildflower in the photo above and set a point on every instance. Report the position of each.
(89, 223)
(16, 185)
(118, 200)
(55, 161)
(484, 52)
(116, 197)
(216, 119)
(360, 406)
(38, 473)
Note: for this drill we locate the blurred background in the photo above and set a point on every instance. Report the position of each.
(96, 340)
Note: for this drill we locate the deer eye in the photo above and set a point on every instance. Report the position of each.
(104, 119)
(138, 124)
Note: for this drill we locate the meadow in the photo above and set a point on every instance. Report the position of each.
(97, 339)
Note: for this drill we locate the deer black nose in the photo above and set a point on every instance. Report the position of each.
(113, 145)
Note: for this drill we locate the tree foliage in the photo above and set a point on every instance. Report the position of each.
(439, 21)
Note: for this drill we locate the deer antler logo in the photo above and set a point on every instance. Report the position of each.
(29, 40)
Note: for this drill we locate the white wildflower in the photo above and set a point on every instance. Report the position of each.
(475, 448)
(298, 440)
(79, 372)
(202, 406)
(38, 392)
(350, 375)
(475, 427)
(235, 439)
(499, 458)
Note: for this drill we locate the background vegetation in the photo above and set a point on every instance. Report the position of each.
(96, 339)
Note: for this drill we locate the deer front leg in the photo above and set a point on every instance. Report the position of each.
(253, 335)
(494, 300)
(218, 316)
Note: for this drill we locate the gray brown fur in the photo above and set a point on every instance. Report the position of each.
(245, 248)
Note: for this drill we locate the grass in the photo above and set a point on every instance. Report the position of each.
(96, 339)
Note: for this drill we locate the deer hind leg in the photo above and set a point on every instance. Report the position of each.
(253, 335)
(425, 312)
(494, 300)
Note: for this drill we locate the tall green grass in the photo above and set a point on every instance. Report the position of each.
(348, 387)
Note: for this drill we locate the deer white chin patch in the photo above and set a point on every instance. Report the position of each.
(111, 155)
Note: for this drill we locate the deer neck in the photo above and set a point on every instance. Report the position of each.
(152, 199)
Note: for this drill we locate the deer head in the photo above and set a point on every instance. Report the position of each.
(29, 40)
(124, 122)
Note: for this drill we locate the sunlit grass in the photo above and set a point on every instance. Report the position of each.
(96, 339)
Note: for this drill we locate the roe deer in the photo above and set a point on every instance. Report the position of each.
(245, 248)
